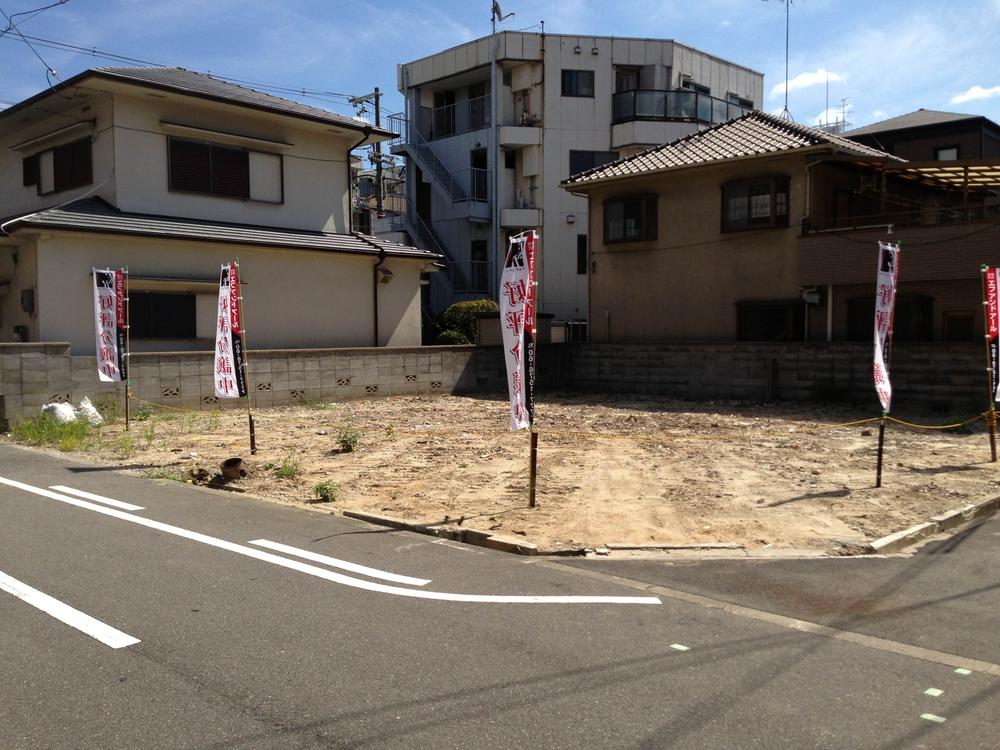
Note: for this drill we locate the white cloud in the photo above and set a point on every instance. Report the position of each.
(976, 92)
(879, 114)
(806, 80)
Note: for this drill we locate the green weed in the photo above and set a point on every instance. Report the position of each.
(290, 468)
(326, 491)
(142, 413)
(349, 438)
(126, 445)
(107, 407)
(174, 475)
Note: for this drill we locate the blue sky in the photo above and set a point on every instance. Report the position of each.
(887, 57)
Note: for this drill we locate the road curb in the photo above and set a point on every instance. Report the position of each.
(449, 531)
(946, 521)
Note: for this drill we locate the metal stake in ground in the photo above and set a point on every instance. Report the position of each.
(991, 320)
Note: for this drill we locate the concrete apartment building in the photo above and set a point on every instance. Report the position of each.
(492, 127)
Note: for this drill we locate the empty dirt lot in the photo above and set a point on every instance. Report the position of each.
(610, 470)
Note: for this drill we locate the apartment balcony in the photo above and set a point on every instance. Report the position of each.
(520, 218)
(514, 137)
(648, 116)
(455, 119)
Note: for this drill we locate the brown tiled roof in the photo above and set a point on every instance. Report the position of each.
(96, 215)
(754, 134)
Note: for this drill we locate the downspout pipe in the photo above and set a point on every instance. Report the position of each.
(350, 178)
(375, 283)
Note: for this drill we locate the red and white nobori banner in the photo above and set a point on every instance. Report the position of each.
(518, 292)
(992, 301)
(230, 376)
(885, 305)
(110, 325)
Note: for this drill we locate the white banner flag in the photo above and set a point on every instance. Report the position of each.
(230, 378)
(110, 325)
(518, 293)
(885, 305)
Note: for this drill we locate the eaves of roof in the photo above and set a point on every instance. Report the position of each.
(94, 215)
(318, 115)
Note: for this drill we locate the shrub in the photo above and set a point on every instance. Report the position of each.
(451, 337)
(349, 438)
(45, 430)
(461, 317)
(326, 491)
(289, 469)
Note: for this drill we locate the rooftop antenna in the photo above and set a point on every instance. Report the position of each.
(498, 15)
(785, 113)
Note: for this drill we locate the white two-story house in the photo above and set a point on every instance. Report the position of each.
(172, 173)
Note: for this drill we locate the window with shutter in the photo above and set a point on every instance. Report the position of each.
(190, 166)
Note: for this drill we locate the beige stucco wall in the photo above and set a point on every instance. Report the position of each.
(685, 284)
(314, 166)
(83, 105)
(17, 272)
(292, 298)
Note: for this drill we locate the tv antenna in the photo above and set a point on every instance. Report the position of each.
(785, 113)
(498, 15)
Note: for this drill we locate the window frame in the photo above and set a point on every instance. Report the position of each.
(649, 210)
(570, 79)
(137, 300)
(939, 149)
(247, 152)
(62, 159)
(699, 88)
(774, 220)
(594, 157)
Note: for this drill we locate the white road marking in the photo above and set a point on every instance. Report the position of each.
(933, 692)
(932, 717)
(320, 572)
(962, 671)
(96, 498)
(333, 562)
(679, 647)
(106, 634)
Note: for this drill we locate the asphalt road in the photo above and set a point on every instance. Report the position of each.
(225, 640)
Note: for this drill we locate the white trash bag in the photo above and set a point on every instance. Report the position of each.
(62, 413)
(87, 411)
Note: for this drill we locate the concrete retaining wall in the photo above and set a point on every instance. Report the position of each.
(944, 377)
(34, 374)
(939, 376)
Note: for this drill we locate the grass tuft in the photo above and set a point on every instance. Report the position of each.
(45, 430)
(290, 468)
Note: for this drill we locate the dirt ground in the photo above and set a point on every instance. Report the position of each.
(610, 470)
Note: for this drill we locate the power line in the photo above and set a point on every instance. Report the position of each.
(12, 26)
(331, 97)
(30, 14)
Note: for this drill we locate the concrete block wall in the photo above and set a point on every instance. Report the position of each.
(35, 374)
(939, 376)
(943, 377)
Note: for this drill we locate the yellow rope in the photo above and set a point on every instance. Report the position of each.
(935, 426)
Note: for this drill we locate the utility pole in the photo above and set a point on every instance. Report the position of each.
(359, 101)
(378, 155)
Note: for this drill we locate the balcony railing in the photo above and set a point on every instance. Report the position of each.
(462, 117)
(929, 217)
(674, 105)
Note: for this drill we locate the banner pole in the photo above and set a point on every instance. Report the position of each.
(533, 473)
(128, 351)
(246, 366)
(881, 443)
(991, 414)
